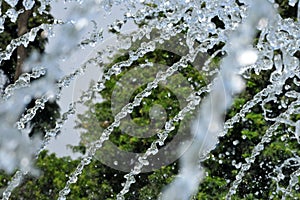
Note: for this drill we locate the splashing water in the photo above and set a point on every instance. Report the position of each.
(275, 51)
(207, 128)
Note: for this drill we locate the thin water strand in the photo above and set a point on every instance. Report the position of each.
(259, 147)
(15, 182)
(44, 85)
(206, 129)
(23, 40)
(193, 100)
(22, 81)
(30, 113)
(127, 109)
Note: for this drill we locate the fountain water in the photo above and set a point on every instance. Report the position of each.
(275, 51)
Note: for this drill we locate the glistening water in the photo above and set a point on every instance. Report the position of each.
(246, 108)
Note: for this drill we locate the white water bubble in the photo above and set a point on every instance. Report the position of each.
(262, 23)
(293, 2)
(12, 3)
(235, 142)
(3, 80)
(2, 20)
(297, 131)
(13, 14)
(28, 4)
(81, 23)
(238, 84)
(248, 57)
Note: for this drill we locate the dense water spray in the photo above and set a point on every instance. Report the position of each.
(241, 21)
(209, 123)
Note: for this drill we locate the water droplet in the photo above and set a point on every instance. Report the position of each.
(248, 57)
(28, 4)
(235, 142)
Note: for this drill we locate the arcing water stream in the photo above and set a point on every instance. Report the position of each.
(242, 22)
